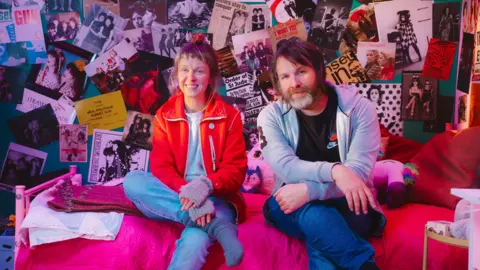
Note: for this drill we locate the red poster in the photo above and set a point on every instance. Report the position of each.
(439, 59)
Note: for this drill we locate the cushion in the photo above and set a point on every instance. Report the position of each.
(449, 160)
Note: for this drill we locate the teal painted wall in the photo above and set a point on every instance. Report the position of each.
(412, 130)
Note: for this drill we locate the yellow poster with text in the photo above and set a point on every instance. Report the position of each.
(102, 112)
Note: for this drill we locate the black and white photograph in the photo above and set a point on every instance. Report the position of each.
(408, 23)
(419, 96)
(141, 38)
(28, 4)
(465, 66)
(98, 28)
(73, 143)
(259, 18)
(146, 90)
(63, 74)
(111, 158)
(63, 26)
(138, 130)
(253, 51)
(55, 6)
(387, 99)
(446, 21)
(306, 9)
(36, 128)
(20, 165)
(142, 13)
(112, 5)
(166, 39)
(462, 109)
(238, 26)
(109, 71)
(329, 23)
(190, 13)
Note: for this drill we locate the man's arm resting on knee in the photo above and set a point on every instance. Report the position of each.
(360, 159)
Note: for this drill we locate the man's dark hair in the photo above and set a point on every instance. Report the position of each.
(300, 52)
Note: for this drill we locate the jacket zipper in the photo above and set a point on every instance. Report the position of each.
(212, 150)
(188, 141)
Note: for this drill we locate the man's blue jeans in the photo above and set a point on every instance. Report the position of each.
(157, 201)
(331, 232)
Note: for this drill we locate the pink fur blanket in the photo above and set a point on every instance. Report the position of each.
(147, 244)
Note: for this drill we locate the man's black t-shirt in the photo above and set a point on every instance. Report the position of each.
(318, 134)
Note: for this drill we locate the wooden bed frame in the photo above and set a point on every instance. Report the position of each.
(22, 199)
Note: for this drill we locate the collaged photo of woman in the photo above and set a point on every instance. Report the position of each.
(63, 74)
(73, 143)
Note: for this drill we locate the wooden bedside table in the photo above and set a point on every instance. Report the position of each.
(440, 238)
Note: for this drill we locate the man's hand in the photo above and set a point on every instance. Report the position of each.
(291, 197)
(358, 195)
(186, 203)
(204, 220)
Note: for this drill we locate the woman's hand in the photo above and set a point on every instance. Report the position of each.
(186, 204)
(204, 220)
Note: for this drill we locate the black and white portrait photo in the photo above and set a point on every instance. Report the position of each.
(462, 109)
(98, 28)
(408, 23)
(387, 100)
(446, 21)
(36, 128)
(65, 5)
(112, 158)
(282, 10)
(167, 39)
(142, 13)
(63, 74)
(237, 25)
(138, 130)
(259, 18)
(419, 97)
(465, 66)
(63, 26)
(20, 165)
(141, 38)
(329, 23)
(190, 13)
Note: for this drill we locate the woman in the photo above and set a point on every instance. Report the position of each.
(72, 28)
(386, 62)
(415, 93)
(445, 25)
(107, 30)
(93, 40)
(72, 80)
(198, 162)
(49, 76)
(405, 27)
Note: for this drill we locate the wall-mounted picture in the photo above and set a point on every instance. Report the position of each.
(112, 158)
(63, 26)
(329, 23)
(387, 100)
(98, 28)
(36, 128)
(419, 96)
(12, 84)
(20, 165)
(138, 130)
(253, 51)
(408, 23)
(446, 21)
(190, 13)
(147, 89)
(63, 74)
(142, 13)
(56, 6)
(109, 71)
(73, 143)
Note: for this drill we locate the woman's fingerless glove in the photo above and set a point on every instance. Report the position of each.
(197, 190)
(206, 208)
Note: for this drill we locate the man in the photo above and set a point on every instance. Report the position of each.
(321, 142)
(289, 7)
(372, 68)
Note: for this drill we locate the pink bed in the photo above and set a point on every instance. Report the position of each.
(147, 244)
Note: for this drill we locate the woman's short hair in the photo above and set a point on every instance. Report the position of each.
(200, 49)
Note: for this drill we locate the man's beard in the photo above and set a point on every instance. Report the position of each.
(304, 102)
